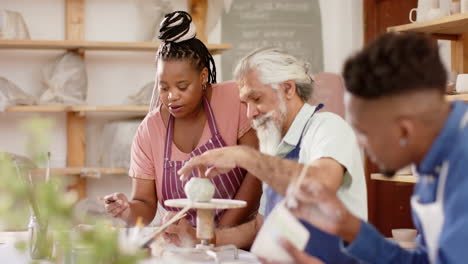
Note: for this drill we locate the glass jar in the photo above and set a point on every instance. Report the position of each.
(39, 241)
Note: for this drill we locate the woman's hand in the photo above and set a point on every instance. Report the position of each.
(181, 233)
(117, 205)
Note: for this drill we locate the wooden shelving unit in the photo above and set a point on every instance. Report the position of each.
(94, 45)
(454, 27)
(76, 120)
(455, 97)
(397, 178)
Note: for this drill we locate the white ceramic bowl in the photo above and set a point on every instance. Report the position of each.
(404, 234)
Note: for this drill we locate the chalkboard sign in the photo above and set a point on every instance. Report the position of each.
(294, 25)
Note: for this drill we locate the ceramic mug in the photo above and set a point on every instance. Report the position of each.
(422, 10)
(462, 83)
(404, 234)
(419, 16)
(451, 81)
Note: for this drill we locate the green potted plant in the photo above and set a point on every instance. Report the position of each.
(52, 232)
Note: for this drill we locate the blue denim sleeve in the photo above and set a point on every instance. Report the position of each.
(371, 247)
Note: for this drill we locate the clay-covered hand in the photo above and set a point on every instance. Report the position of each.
(168, 238)
(117, 205)
(181, 233)
(321, 207)
(212, 162)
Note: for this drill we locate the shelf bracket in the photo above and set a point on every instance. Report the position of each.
(74, 17)
(198, 10)
(460, 54)
(76, 148)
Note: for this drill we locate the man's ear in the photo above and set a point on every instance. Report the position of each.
(289, 89)
(407, 131)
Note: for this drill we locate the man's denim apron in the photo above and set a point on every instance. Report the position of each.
(321, 245)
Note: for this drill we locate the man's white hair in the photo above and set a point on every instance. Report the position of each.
(275, 66)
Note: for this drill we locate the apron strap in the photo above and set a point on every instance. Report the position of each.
(169, 137)
(317, 108)
(170, 128)
(210, 117)
(442, 180)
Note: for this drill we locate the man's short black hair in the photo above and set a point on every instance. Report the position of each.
(394, 64)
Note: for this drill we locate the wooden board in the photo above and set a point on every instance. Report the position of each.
(95, 45)
(76, 148)
(396, 178)
(127, 108)
(457, 97)
(112, 108)
(38, 108)
(77, 108)
(82, 171)
(76, 124)
(459, 54)
(450, 25)
(198, 10)
(74, 19)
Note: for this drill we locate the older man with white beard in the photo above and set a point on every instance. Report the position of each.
(276, 86)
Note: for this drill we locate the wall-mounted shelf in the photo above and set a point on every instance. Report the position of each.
(83, 172)
(397, 178)
(94, 45)
(124, 108)
(450, 25)
(78, 108)
(455, 28)
(455, 97)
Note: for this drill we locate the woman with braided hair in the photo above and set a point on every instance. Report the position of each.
(192, 115)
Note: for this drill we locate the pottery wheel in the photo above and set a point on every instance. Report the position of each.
(205, 223)
(205, 215)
